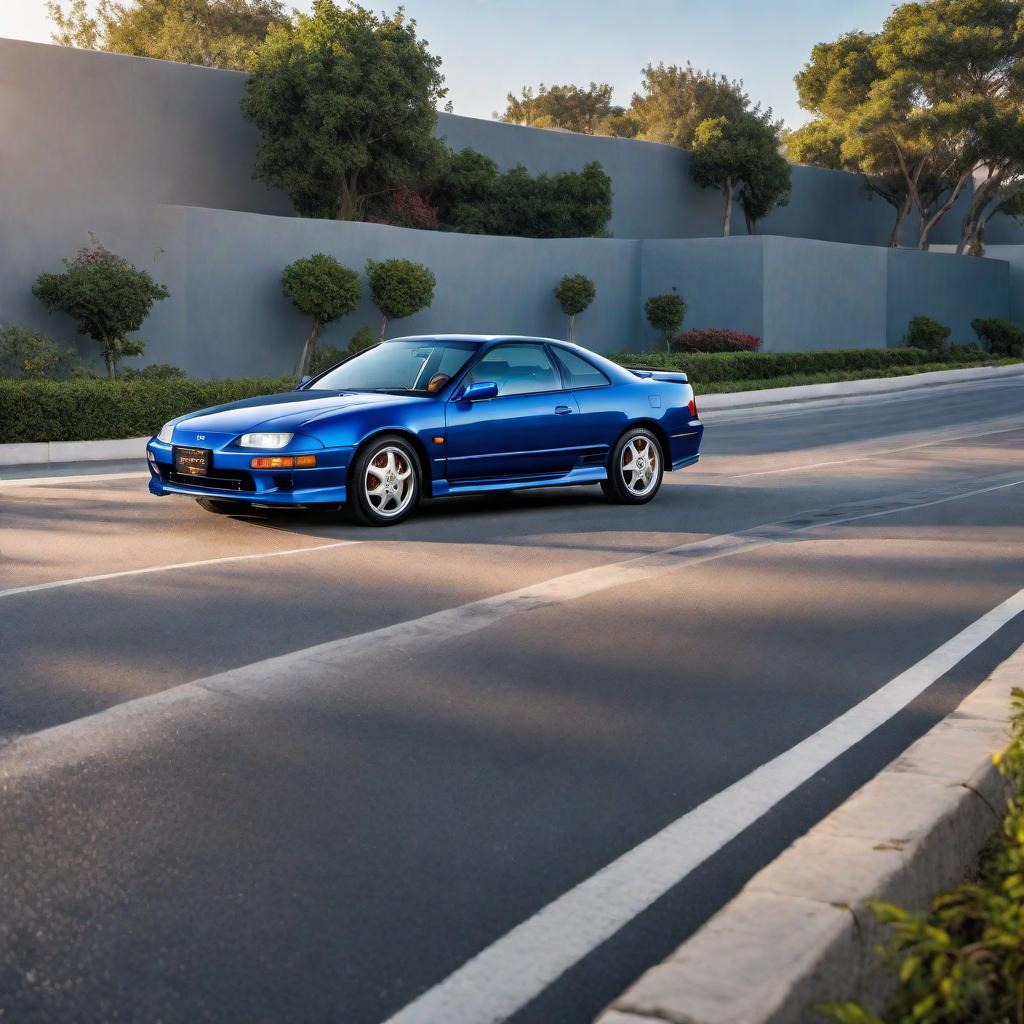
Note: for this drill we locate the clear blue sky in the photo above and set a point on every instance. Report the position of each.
(490, 47)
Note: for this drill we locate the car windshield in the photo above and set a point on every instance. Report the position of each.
(423, 366)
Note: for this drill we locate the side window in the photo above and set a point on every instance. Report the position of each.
(579, 372)
(517, 370)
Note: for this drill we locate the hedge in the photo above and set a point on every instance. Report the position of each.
(716, 367)
(88, 410)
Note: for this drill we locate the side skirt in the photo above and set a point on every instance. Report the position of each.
(585, 475)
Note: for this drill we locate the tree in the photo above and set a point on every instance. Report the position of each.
(675, 100)
(321, 288)
(571, 108)
(399, 288)
(665, 314)
(574, 293)
(213, 33)
(345, 105)
(934, 97)
(106, 295)
(818, 143)
(740, 157)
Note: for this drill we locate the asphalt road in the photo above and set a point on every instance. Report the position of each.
(329, 836)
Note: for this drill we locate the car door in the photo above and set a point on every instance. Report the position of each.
(523, 432)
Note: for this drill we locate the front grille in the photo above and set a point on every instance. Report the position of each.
(217, 479)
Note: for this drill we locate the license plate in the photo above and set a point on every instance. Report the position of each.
(192, 461)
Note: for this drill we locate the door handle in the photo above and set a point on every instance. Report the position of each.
(562, 409)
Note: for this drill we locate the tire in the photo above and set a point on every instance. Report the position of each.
(385, 481)
(626, 486)
(221, 507)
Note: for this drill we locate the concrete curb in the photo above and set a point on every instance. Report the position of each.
(46, 452)
(800, 933)
(853, 388)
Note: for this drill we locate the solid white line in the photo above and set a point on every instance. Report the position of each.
(868, 456)
(79, 478)
(505, 976)
(54, 584)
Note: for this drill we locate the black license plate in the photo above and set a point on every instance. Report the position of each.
(192, 461)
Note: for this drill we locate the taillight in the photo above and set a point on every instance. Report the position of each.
(693, 407)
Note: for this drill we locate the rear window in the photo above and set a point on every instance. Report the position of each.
(580, 373)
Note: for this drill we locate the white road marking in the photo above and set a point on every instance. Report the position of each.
(54, 584)
(80, 478)
(505, 976)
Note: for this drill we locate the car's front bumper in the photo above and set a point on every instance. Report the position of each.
(232, 477)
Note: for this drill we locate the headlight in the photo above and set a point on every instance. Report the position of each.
(264, 440)
(166, 432)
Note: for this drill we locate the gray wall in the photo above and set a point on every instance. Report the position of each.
(156, 159)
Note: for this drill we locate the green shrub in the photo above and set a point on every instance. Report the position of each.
(324, 358)
(28, 353)
(964, 960)
(88, 410)
(665, 314)
(924, 332)
(1002, 337)
(363, 338)
(399, 288)
(715, 339)
(155, 371)
(574, 293)
(476, 198)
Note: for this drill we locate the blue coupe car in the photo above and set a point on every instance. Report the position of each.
(434, 416)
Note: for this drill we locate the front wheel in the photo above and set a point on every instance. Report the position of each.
(384, 486)
(635, 468)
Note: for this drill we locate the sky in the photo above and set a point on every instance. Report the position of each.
(491, 47)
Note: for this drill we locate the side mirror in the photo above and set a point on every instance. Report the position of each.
(302, 383)
(480, 390)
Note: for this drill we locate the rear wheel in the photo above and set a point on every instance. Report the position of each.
(635, 468)
(384, 486)
(221, 507)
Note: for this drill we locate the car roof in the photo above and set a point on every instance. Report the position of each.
(480, 339)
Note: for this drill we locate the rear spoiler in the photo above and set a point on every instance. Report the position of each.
(675, 378)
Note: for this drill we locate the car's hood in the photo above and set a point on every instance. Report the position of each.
(286, 412)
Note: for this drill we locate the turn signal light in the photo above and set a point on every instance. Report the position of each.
(283, 461)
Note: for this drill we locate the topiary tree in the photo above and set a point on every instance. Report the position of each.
(1004, 338)
(321, 288)
(345, 105)
(924, 332)
(574, 293)
(106, 295)
(665, 314)
(399, 288)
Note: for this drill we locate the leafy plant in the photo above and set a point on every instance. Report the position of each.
(665, 314)
(106, 295)
(363, 338)
(399, 288)
(321, 288)
(1002, 337)
(213, 33)
(345, 106)
(155, 371)
(28, 354)
(964, 960)
(574, 293)
(927, 333)
(403, 208)
(475, 198)
(715, 339)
